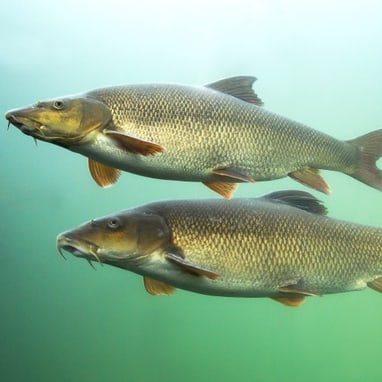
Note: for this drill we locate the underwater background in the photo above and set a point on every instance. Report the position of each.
(318, 62)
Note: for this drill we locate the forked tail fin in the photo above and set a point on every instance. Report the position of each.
(370, 150)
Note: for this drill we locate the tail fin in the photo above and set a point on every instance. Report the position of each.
(370, 150)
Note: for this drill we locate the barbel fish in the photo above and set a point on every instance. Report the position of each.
(218, 134)
(279, 246)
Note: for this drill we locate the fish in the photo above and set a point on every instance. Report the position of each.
(219, 134)
(280, 245)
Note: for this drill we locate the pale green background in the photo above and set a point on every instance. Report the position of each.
(318, 62)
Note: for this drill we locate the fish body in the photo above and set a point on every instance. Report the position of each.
(218, 134)
(279, 246)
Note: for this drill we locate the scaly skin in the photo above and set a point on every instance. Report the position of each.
(261, 247)
(202, 129)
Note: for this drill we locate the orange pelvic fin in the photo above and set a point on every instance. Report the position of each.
(103, 175)
(156, 287)
(224, 189)
(294, 296)
(311, 177)
(294, 301)
(134, 145)
(227, 185)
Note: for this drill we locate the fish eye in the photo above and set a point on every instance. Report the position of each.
(114, 223)
(58, 105)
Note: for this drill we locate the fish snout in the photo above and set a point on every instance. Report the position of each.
(11, 118)
(77, 247)
(25, 125)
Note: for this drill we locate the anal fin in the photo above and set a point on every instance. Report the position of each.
(311, 177)
(224, 189)
(191, 268)
(103, 175)
(156, 287)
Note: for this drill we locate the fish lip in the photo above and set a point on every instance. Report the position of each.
(78, 248)
(33, 127)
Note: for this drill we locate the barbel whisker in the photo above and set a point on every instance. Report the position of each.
(91, 264)
(96, 256)
(61, 253)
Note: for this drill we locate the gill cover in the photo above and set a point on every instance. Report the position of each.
(73, 118)
(153, 233)
(120, 237)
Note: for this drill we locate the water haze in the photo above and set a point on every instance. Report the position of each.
(317, 62)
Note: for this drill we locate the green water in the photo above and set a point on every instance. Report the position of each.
(318, 62)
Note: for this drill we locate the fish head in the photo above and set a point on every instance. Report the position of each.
(125, 240)
(63, 121)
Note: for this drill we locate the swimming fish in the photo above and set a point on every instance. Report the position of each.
(279, 246)
(218, 134)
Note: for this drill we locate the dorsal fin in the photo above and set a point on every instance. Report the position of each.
(239, 87)
(298, 199)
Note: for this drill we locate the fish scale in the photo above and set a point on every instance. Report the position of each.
(211, 123)
(272, 240)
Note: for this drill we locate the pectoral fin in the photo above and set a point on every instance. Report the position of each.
(233, 174)
(189, 267)
(103, 175)
(156, 287)
(311, 177)
(295, 290)
(134, 145)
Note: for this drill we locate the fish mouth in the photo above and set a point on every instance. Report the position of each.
(26, 125)
(78, 248)
(38, 130)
